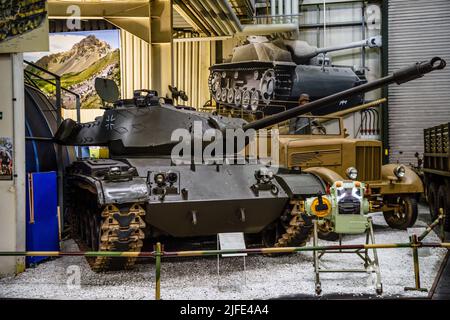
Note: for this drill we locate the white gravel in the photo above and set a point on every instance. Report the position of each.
(266, 277)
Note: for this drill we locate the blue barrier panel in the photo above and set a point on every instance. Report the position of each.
(42, 214)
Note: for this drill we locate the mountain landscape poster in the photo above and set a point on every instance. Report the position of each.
(79, 58)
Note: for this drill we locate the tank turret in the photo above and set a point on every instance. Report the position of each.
(270, 75)
(144, 125)
(297, 51)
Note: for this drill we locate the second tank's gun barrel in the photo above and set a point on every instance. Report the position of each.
(406, 74)
(373, 42)
(301, 51)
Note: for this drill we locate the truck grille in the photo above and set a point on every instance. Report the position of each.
(368, 163)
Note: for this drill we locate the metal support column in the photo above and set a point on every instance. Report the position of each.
(384, 72)
(158, 272)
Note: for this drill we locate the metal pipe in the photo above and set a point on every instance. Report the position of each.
(200, 18)
(295, 11)
(263, 29)
(415, 244)
(43, 139)
(324, 23)
(59, 148)
(196, 253)
(287, 10)
(40, 68)
(188, 15)
(202, 12)
(273, 10)
(363, 34)
(158, 272)
(433, 225)
(199, 39)
(280, 9)
(234, 20)
(212, 7)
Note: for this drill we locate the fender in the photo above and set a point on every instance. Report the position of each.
(109, 192)
(329, 176)
(390, 184)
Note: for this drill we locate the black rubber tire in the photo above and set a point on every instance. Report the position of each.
(432, 192)
(443, 202)
(410, 213)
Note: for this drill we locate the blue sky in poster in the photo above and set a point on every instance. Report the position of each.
(63, 41)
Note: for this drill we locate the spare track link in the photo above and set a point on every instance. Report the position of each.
(121, 230)
(299, 228)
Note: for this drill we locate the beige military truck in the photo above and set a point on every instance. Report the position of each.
(321, 145)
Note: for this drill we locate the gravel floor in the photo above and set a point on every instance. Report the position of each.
(266, 277)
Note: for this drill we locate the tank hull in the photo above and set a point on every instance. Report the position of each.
(203, 201)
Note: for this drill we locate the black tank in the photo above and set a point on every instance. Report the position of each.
(269, 76)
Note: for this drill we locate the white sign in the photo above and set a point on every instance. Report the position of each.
(231, 241)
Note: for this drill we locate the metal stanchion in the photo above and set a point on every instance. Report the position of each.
(158, 272)
(415, 244)
(433, 225)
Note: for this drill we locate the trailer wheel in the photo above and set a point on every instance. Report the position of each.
(443, 202)
(328, 236)
(432, 192)
(404, 213)
(325, 232)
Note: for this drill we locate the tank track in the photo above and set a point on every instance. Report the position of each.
(121, 230)
(299, 228)
(107, 228)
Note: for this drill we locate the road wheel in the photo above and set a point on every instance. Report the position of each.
(404, 213)
(443, 202)
(432, 192)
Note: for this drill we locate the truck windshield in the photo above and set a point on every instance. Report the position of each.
(315, 126)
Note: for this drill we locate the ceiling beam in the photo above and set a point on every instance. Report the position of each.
(99, 9)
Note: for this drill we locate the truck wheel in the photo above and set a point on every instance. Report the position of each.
(404, 214)
(443, 202)
(432, 192)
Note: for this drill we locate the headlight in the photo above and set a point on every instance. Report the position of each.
(352, 173)
(160, 179)
(172, 177)
(400, 171)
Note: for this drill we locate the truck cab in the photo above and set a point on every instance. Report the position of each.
(321, 145)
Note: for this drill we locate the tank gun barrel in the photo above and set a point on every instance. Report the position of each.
(372, 42)
(403, 75)
(301, 50)
(361, 107)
